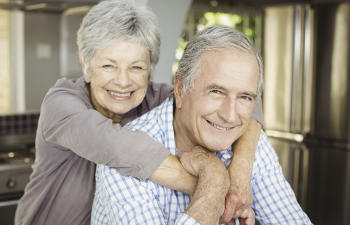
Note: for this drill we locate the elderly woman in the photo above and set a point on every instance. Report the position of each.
(81, 123)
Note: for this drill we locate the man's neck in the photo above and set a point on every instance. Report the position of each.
(182, 140)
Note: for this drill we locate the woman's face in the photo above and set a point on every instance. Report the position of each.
(118, 75)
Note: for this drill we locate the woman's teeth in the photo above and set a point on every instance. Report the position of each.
(120, 94)
(218, 127)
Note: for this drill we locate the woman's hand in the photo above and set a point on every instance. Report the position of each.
(239, 198)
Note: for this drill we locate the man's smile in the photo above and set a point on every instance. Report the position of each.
(219, 127)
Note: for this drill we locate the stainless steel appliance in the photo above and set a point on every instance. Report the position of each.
(307, 104)
(16, 158)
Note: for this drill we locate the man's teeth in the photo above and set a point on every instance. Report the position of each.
(120, 94)
(218, 127)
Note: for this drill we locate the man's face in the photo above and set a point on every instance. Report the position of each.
(216, 111)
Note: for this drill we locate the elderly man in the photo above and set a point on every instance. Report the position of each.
(218, 80)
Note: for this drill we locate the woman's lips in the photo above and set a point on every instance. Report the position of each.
(120, 95)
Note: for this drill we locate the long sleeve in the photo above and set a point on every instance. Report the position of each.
(274, 200)
(68, 120)
(126, 200)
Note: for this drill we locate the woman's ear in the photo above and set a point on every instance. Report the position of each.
(84, 68)
(178, 91)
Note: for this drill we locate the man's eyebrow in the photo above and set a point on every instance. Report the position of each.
(251, 94)
(215, 86)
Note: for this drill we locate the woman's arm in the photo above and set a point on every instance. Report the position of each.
(172, 174)
(68, 121)
(239, 198)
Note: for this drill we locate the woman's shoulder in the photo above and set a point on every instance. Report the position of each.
(69, 85)
(67, 97)
(160, 90)
(157, 93)
(67, 90)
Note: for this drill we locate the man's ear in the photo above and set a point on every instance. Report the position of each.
(178, 91)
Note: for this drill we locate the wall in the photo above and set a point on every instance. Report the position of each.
(171, 16)
(70, 22)
(42, 36)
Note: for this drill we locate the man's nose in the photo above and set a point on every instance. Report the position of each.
(122, 78)
(228, 111)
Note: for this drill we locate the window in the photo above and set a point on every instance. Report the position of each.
(201, 15)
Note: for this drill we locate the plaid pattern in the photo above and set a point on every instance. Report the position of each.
(127, 200)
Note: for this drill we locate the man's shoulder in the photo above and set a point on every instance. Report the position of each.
(266, 158)
(264, 146)
(122, 189)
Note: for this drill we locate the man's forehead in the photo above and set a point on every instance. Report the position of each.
(219, 68)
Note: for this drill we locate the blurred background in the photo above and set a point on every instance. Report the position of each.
(305, 46)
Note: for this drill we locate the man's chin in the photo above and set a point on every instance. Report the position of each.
(217, 147)
(223, 145)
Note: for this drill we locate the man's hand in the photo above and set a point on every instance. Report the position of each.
(196, 160)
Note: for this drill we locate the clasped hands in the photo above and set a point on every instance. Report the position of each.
(238, 198)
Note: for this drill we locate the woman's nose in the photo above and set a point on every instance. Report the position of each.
(122, 78)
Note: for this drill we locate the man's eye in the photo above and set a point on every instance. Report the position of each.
(137, 67)
(214, 91)
(247, 98)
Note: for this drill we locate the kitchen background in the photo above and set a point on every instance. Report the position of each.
(305, 46)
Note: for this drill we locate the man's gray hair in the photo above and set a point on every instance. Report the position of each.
(113, 20)
(214, 38)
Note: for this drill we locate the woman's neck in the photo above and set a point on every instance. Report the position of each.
(116, 118)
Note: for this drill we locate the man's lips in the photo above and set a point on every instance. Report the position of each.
(220, 127)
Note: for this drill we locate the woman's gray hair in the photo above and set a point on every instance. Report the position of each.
(214, 38)
(113, 20)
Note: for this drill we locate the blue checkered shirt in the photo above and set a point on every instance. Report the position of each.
(127, 200)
